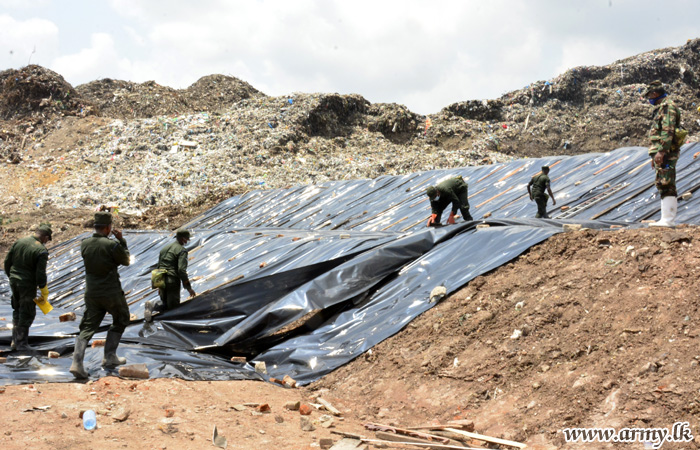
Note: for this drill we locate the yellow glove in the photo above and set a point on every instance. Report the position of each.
(45, 292)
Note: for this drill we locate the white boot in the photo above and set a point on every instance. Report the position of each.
(669, 209)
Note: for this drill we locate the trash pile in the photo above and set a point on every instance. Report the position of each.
(586, 109)
(128, 100)
(158, 146)
(266, 142)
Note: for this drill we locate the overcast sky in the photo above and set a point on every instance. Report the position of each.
(423, 54)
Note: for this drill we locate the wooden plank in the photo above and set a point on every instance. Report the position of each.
(346, 444)
(609, 165)
(490, 173)
(383, 435)
(330, 408)
(490, 439)
(402, 431)
(494, 197)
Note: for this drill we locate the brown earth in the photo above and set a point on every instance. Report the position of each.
(609, 324)
(610, 327)
(162, 414)
(608, 333)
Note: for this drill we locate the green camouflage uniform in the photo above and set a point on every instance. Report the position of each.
(173, 258)
(665, 120)
(452, 190)
(539, 185)
(25, 265)
(103, 293)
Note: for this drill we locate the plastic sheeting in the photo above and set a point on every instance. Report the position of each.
(308, 278)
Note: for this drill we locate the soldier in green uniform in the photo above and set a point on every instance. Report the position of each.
(103, 292)
(664, 153)
(25, 265)
(454, 191)
(173, 258)
(536, 189)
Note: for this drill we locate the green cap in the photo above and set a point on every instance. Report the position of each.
(545, 168)
(182, 233)
(431, 191)
(655, 86)
(45, 228)
(103, 218)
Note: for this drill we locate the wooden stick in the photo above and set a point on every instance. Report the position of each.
(494, 197)
(420, 444)
(490, 439)
(490, 173)
(511, 173)
(417, 434)
(609, 165)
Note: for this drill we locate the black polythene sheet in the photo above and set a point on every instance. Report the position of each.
(307, 278)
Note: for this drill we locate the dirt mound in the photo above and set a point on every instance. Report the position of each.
(128, 100)
(586, 329)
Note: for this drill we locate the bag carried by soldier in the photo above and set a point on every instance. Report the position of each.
(679, 137)
(158, 278)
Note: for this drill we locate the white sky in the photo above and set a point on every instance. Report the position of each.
(423, 54)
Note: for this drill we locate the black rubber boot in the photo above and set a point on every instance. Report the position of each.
(111, 359)
(22, 339)
(77, 368)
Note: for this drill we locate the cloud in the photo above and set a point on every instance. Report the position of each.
(425, 55)
(22, 40)
(100, 60)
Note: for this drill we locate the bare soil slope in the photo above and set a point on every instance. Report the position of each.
(592, 328)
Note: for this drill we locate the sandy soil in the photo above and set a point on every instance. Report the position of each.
(162, 414)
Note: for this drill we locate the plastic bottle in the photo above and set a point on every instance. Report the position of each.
(89, 420)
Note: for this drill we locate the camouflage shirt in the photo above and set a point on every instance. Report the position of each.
(25, 263)
(666, 118)
(102, 257)
(173, 258)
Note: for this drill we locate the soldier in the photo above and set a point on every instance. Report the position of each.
(539, 184)
(453, 190)
(173, 258)
(103, 292)
(663, 151)
(25, 264)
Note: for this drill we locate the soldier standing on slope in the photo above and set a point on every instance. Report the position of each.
(539, 184)
(25, 265)
(102, 257)
(663, 150)
(173, 258)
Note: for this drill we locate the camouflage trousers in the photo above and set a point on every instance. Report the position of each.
(665, 180)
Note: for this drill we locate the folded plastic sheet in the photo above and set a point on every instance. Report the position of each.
(308, 278)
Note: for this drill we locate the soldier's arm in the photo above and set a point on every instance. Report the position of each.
(182, 270)
(121, 252)
(456, 204)
(551, 194)
(41, 261)
(7, 266)
(435, 209)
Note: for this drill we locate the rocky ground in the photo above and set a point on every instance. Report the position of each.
(586, 329)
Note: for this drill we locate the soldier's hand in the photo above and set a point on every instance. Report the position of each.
(531, 199)
(45, 292)
(554, 202)
(192, 292)
(117, 234)
(659, 158)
